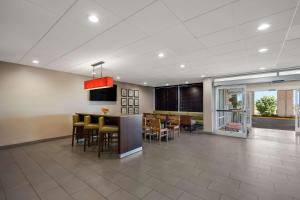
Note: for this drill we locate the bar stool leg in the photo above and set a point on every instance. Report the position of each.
(99, 144)
(73, 136)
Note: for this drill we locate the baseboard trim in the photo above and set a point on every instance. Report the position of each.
(32, 142)
(128, 153)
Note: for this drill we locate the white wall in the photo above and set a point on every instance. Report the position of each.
(37, 103)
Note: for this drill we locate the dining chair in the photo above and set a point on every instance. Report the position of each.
(147, 128)
(174, 124)
(158, 130)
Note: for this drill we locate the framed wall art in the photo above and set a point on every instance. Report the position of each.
(123, 102)
(130, 92)
(136, 93)
(123, 92)
(130, 110)
(130, 102)
(124, 110)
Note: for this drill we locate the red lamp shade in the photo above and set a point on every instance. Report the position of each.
(103, 82)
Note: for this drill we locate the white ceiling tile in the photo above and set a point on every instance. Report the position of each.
(227, 48)
(178, 39)
(210, 22)
(278, 21)
(56, 6)
(294, 33)
(154, 18)
(124, 8)
(292, 47)
(191, 8)
(83, 9)
(104, 45)
(22, 25)
(221, 37)
(265, 39)
(71, 32)
(246, 10)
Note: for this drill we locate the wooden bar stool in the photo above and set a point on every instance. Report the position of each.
(89, 129)
(108, 134)
(77, 128)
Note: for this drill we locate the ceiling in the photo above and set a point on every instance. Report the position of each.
(210, 37)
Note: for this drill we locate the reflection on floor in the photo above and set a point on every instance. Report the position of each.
(281, 136)
(197, 166)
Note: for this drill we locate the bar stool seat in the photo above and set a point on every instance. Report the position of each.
(109, 128)
(92, 126)
(78, 124)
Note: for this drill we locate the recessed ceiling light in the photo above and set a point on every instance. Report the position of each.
(118, 78)
(202, 76)
(161, 55)
(182, 66)
(145, 83)
(186, 82)
(263, 27)
(93, 18)
(35, 62)
(262, 68)
(167, 84)
(263, 50)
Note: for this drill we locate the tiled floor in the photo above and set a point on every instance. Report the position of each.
(199, 166)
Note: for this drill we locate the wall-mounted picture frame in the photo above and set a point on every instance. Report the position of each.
(123, 92)
(136, 93)
(130, 102)
(136, 110)
(123, 102)
(130, 110)
(136, 102)
(130, 92)
(124, 110)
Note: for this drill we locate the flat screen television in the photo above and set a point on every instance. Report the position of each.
(105, 94)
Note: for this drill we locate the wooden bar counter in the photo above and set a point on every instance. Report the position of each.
(130, 131)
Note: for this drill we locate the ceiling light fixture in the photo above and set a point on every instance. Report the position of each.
(186, 82)
(118, 77)
(161, 55)
(202, 76)
(167, 84)
(35, 62)
(262, 68)
(93, 18)
(182, 66)
(263, 27)
(145, 83)
(263, 50)
(98, 83)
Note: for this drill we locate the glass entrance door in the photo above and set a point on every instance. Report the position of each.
(230, 111)
(297, 111)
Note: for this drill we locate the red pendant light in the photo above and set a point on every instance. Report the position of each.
(98, 83)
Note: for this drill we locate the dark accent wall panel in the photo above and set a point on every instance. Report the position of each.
(160, 99)
(191, 98)
(166, 98)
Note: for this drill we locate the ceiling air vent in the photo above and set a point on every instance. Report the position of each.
(278, 81)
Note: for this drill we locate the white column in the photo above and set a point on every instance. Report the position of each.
(208, 105)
